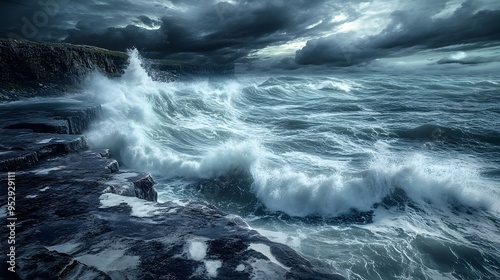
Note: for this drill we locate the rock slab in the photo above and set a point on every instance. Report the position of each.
(80, 217)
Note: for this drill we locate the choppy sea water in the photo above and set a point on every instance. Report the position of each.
(373, 176)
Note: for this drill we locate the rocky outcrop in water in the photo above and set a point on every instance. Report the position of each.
(77, 216)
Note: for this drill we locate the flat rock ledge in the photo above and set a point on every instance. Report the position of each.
(80, 217)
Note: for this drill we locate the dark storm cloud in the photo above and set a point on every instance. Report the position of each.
(409, 31)
(206, 31)
(148, 21)
(48, 20)
(223, 32)
(28, 19)
(113, 38)
(468, 60)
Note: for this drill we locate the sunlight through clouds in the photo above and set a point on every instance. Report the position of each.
(293, 34)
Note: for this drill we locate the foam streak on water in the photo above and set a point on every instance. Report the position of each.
(382, 177)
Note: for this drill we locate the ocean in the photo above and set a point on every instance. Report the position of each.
(374, 176)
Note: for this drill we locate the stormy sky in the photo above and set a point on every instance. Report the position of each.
(293, 35)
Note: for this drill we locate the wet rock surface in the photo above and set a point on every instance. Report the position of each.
(80, 217)
(34, 131)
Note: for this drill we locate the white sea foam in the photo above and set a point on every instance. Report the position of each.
(212, 266)
(335, 85)
(45, 171)
(110, 260)
(262, 269)
(65, 248)
(196, 130)
(197, 250)
(140, 208)
(281, 237)
(186, 132)
(240, 268)
(139, 135)
(425, 180)
(266, 251)
(44, 141)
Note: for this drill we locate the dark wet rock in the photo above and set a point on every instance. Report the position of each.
(140, 185)
(79, 120)
(67, 225)
(45, 264)
(23, 148)
(40, 125)
(14, 160)
(80, 217)
(58, 117)
(46, 69)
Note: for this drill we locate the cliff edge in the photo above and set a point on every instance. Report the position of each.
(47, 69)
(30, 68)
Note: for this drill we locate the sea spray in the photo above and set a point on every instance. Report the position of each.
(363, 173)
(197, 130)
(140, 115)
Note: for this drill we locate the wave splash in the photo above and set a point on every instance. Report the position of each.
(199, 130)
(422, 180)
(152, 126)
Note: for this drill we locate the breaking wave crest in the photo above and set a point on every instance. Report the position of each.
(200, 130)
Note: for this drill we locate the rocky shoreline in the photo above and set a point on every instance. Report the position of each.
(79, 217)
(76, 215)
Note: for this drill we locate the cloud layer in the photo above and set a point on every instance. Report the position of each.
(408, 32)
(328, 33)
